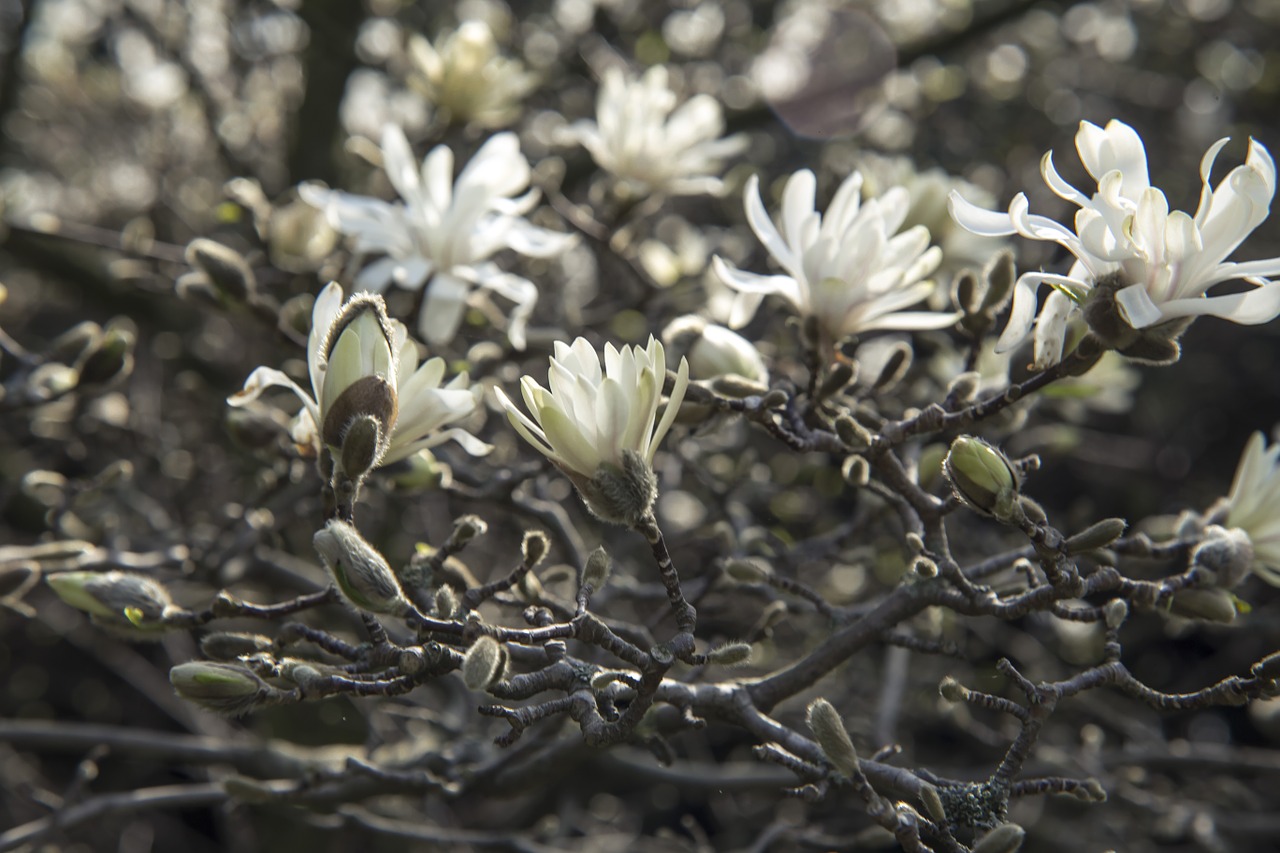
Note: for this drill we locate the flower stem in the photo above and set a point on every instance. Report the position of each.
(686, 615)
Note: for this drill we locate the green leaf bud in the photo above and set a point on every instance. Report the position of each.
(895, 367)
(924, 567)
(840, 375)
(534, 547)
(229, 645)
(856, 471)
(483, 663)
(466, 528)
(825, 723)
(852, 433)
(225, 688)
(361, 573)
(1000, 275)
(446, 602)
(361, 446)
(116, 599)
(964, 387)
(111, 359)
(981, 476)
(1005, 838)
(226, 268)
(730, 654)
(595, 573)
(932, 802)
(747, 571)
(1100, 534)
(952, 690)
(1115, 612)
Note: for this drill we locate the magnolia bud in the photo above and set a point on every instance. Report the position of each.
(981, 477)
(747, 571)
(466, 528)
(534, 547)
(362, 445)
(1211, 605)
(69, 346)
(952, 690)
(229, 645)
(224, 266)
(595, 573)
(1006, 838)
(1000, 275)
(853, 434)
(856, 471)
(963, 388)
(483, 663)
(116, 599)
(826, 725)
(841, 375)
(1115, 612)
(933, 804)
(730, 654)
(361, 573)
(1100, 534)
(226, 688)
(924, 567)
(112, 358)
(446, 602)
(895, 367)
(1227, 554)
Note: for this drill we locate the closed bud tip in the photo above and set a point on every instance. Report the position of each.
(1115, 612)
(856, 471)
(229, 645)
(534, 547)
(747, 571)
(483, 663)
(225, 688)
(362, 445)
(730, 654)
(1209, 605)
(852, 433)
(952, 690)
(1006, 838)
(1100, 534)
(468, 527)
(924, 567)
(226, 268)
(827, 727)
(932, 802)
(595, 573)
(981, 477)
(361, 573)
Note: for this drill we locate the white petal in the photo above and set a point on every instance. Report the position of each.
(1136, 307)
(442, 309)
(979, 220)
(1251, 308)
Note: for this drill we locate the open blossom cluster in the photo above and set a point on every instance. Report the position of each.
(1156, 264)
(443, 233)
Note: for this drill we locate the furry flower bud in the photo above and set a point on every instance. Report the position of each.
(981, 477)
(361, 573)
(116, 599)
(226, 688)
(595, 573)
(826, 725)
(483, 663)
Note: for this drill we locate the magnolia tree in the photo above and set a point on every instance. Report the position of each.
(590, 477)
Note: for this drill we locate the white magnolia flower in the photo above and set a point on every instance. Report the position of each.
(443, 232)
(639, 140)
(849, 269)
(598, 427)
(1254, 505)
(714, 351)
(464, 75)
(362, 363)
(1159, 264)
